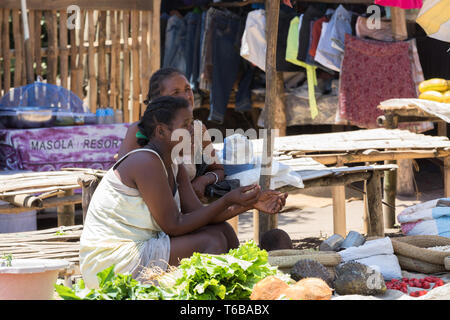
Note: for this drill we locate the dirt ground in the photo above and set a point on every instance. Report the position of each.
(308, 214)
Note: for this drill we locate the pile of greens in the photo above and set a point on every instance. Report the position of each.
(201, 277)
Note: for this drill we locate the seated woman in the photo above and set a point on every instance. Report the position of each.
(145, 212)
(172, 82)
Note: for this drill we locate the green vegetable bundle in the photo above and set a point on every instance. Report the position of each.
(228, 276)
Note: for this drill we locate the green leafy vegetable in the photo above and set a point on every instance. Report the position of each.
(200, 277)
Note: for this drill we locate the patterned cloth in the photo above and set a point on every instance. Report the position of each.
(373, 71)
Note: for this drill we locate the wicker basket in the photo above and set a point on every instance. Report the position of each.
(413, 254)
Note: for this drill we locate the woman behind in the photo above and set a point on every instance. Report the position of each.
(172, 82)
(145, 212)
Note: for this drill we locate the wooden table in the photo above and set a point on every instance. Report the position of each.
(400, 111)
(366, 146)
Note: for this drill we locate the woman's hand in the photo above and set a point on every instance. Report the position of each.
(271, 201)
(243, 196)
(199, 185)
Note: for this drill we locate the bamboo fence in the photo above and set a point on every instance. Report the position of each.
(104, 52)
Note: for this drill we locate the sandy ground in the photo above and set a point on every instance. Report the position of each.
(309, 212)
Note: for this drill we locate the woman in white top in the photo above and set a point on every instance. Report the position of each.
(145, 212)
(172, 82)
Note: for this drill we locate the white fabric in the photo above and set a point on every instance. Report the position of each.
(386, 264)
(369, 248)
(119, 229)
(438, 109)
(253, 43)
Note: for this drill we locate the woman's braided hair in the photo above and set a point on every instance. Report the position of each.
(155, 83)
(160, 110)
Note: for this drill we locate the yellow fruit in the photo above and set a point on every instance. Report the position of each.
(435, 84)
(432, 95)
(447, 96)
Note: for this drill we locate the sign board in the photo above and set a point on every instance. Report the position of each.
(47, 149)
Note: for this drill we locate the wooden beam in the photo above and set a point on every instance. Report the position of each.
(398, 17)
(267, 222)
(83, 4)
(66, 213)
(47, 203)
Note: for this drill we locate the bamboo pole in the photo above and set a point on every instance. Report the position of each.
(1, 28)
(114, 60)
(155, 44)
(144, 74)
(27, 44)
(267, 222)
(80, 62)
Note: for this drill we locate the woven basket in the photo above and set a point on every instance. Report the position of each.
(416, 265)
(415, 247)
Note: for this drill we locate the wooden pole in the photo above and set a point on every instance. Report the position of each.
(88, 185)
(267, 222)
(390, 180)
(66, 213)
(339, 214)
(27, 43)
(374, 205)
(447, 176)
(399, 23)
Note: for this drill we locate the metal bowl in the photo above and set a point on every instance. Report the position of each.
(28, 117)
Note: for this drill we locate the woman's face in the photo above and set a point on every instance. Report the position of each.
(178, 86)
(183, 120)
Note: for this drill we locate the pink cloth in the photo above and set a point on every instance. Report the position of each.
(372, 71)
(404, 4)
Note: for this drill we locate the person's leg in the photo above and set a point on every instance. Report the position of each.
(215, 239)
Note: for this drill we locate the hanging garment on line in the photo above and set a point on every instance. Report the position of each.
(434, 18)
(313, 12)
(373, 71)
(174, 51)
(337, 28)
(291, 56)
(316, 32)
(254, 44)
(404, 4)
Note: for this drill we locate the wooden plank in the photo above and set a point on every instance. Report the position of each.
(78, 89)
(101, 56)
(91, 63)
(64, 55)
(126, 67)
(18, 46)
(135, 66)
(83, 4)
(52, 57)
(155, 42)
(37, 42)
(339, 214)
(6, 51)
(66, 213)
(447, 176)
(47, 203)
(39, 189)
(114, 61)
(145, 65)
(398, 17)
(28, 56)
(1, 28)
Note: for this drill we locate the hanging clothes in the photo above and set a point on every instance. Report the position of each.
(313, 12)
(434, 18)
(284, 23)
(373, 71)
(331, 42)
(316, 32)
(404, 4)
(291, 56)
(383, 33)
(174, 51)
(253, 43)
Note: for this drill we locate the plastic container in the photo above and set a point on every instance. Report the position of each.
(100, 114)
(30, 279)
(237, 154)
(118, 116)
(109, 115)
(18, 222)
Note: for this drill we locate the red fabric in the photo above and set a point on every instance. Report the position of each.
(372, 71)
(404, 4)
(316, 31)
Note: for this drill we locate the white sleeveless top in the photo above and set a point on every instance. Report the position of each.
(119, 229)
